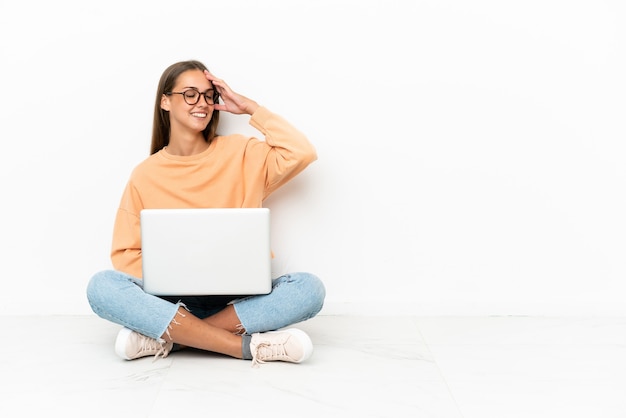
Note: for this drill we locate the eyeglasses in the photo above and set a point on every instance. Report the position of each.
(192, 96)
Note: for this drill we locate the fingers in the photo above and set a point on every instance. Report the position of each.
(223, 89)
(233, 102)
(219, 84)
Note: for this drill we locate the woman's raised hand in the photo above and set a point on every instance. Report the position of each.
(232, 102)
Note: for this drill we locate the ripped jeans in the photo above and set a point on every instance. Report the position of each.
(120, 298)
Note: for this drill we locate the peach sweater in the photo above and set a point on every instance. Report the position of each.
(235, 171)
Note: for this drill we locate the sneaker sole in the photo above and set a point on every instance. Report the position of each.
(302, 336)
(120, 343)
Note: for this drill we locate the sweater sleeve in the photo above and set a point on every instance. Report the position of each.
(289, 151)
(126, 247)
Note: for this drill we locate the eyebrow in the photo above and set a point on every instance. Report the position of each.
(197, 89)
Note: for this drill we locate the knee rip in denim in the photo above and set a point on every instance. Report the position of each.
(240, 330)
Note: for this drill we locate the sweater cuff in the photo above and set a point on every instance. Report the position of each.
(259, 117)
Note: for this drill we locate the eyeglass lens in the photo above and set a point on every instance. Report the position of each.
(192, 96)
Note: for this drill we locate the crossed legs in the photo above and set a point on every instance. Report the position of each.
(217, 333)
(118, 297)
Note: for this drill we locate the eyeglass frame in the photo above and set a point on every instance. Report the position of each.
(214, 99)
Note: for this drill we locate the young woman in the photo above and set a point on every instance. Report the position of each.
(191, 166)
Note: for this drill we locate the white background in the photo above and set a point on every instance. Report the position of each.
(471, 153)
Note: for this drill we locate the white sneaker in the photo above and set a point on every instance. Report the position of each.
(292, 345)
(131, 345)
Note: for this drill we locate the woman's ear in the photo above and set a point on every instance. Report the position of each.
(165, 102)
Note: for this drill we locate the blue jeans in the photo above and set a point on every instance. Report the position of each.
(119, 298)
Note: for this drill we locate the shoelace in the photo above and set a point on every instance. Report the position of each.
(150, 344)
(267, 351)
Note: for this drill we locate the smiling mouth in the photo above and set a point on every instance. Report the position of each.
(199, 115)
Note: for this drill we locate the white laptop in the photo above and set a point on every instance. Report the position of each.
(206, 251)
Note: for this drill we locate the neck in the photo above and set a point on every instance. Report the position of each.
(184, 147)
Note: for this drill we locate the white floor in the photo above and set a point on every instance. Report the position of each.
(496, 367)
